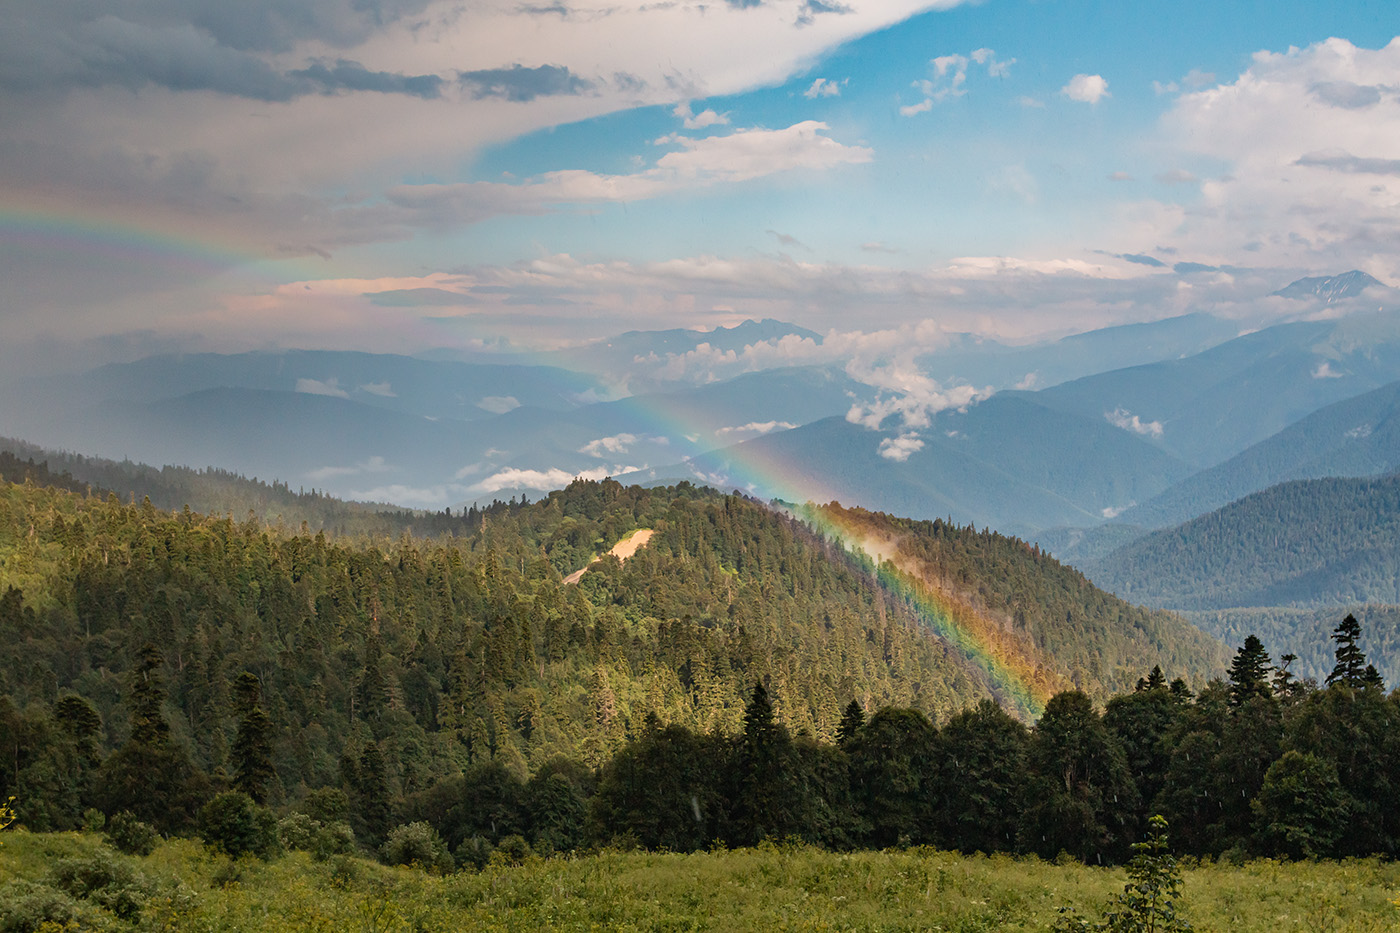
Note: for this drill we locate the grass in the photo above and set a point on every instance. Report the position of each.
(184, 887)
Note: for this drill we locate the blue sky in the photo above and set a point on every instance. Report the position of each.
(554, 173)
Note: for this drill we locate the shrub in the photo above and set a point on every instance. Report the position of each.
(297, 832)
(1148, 903)
(127, 834)
(327, 805)
(25, 907)
(104, 880)
(417, 844)
(234, 824)
(333, 839)
(513, 850)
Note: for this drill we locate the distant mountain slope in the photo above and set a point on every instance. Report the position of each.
(1007, 463)
(1356, 437)
(1209, 407)
(1331, 288)
(1308, 543)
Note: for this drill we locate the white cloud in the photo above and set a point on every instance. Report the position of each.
(1122, 418)
(1029, 382)
(756, 428)
(1087, 89)
(824, 87)
(616, 444)
(372, 465)
(950, 78)
(1111, 512)
(379, 388)
(498, 404)
(543, 480)
(1177, 176)
(1324, 370)
(900, 448)
(316, 387)
(697, 121)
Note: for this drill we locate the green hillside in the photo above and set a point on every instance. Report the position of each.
(1324, 542)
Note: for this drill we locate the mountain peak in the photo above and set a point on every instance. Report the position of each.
(1330, 288)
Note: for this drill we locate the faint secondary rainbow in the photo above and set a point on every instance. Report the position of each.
(761, 469)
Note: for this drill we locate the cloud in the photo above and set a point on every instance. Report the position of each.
(1087, 89)
(382, 389)
(1119, 176)
(418, 298)
(1110, 512)
(543, 480)
(346, 75)
(811, 9)
(694, 121)
(740, 156)
(756, 428)
(1122, 418)
(1142, 260)
(900, 448)
(875, 246)
(1324, 370)
(520, 84)
(616, 444)
(1345, 162)
(1029, 382)
(786, 240)
(1346, 95)
(824, 87)
(316, 387)
(372, 465)
(498, 404)
(1176, 176)
(950, 78)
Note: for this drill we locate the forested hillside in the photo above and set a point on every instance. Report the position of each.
(1309, 543)
(435, 654)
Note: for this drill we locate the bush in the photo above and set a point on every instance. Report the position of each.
(417, 844)
(513, 850)
(105, 880)
(234, 824)
(333, 839)
(297, 832)
(25, 907)
(127, 834)
(327, 805)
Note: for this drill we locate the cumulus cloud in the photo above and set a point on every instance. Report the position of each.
(1087, 89)
(317, 387)
(1122, 418)
(543, 480)
(697, 121)
(755, 428)
(900, 448)
(824, 87)
(498, 404)
(616, 444)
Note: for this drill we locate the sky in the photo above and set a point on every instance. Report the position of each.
(415, 175)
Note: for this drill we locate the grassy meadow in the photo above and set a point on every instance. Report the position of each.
(70, 881)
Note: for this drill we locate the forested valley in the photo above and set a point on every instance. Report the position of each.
(742, 678)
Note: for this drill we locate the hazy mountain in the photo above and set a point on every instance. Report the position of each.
(1331, 288)
(1356, 437)
(1208, 407)
(1307, 543)
(1007, 462)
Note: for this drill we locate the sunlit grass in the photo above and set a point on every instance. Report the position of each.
(769, 888)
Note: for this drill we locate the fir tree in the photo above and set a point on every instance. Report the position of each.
(252, 747)
(1350, 670)
(1249, 672)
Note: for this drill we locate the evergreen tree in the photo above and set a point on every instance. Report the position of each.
(981, 755)
(252, 747)
(1350, 670)
(852, 719)
(1249, 672)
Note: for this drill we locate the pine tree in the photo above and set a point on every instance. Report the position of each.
(252, 747)
(1350, 670)
(1249, 673)
(852, 718)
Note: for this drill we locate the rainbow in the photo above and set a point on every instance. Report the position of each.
(1012, 678)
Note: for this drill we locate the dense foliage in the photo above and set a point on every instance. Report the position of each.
(190, 672)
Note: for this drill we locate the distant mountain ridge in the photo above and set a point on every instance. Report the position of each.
(1331, 288)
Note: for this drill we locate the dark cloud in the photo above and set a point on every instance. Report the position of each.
(812, 8)
(518, 83)
(1186, 268)
(1352, 165)
(1346, 95)
(112, 51)
(352, 76)
(744, 4)
(1142, 260)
